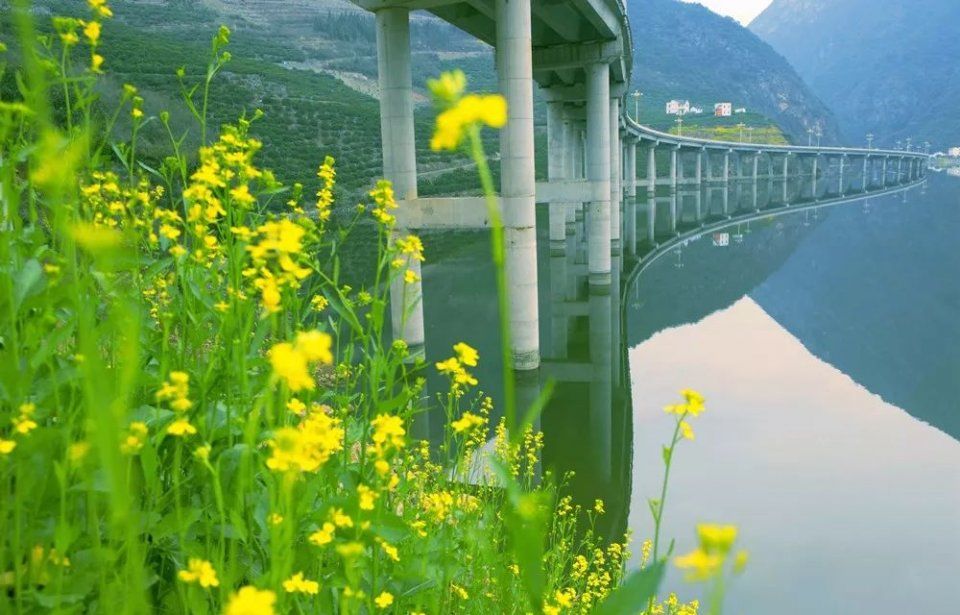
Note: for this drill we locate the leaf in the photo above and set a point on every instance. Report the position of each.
(633, 595)
(667, 454)
(533, 412)
(654, 507)
(27, 281)
(527, 526)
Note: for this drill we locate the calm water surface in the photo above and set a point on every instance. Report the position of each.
(828, 345)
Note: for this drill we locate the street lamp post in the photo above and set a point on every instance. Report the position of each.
(680, 125)
(870, 140)
(741, 126)
(750, 133)
(909, 142)
(819, 135)
(809, 137)
(636, 105)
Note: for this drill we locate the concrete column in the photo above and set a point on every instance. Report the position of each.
(864, 178)
(517, 179)
(786, 166)
(616, 167)
(899, 169)
(651, 218)
(843, 162)
(598, 172)
(570, 147)
(652, 169)
(556, 171)
(673, 167)
(883, 182)
(673, 211)
(709, 168)
(399, 159)
(630, 207)
(816, 163)
(726, 167)
(699, 172)
(599, 438)
(726, 200)
(756, 167)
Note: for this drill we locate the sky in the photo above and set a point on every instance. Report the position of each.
(742, 10)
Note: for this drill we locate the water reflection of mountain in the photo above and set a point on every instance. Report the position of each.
(871, 289)
(712, 278)
(877, 295)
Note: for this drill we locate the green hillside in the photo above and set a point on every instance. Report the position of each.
(887, 67)
(684, 51)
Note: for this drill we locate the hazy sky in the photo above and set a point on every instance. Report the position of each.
(742, 10)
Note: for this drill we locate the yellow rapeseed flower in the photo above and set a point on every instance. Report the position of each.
(449, 86)
(466, 354)
(323, 536)
(467, 422)
(298, 584)
(181, 427)
(367, 497)
(686, 430)
(469, 111)
(7, 446)
(251, 601)
(384, 600)
(201, 572)
(92, 32)
(387, 431)
(100, 8)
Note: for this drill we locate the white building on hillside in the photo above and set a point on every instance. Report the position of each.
(696, 110)
(740, 110)
(678, 107)
(954, 152)
(723, 109)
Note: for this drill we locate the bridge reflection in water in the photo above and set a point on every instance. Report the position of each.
(588, 424)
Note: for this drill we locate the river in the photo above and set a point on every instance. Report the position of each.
(827, 344)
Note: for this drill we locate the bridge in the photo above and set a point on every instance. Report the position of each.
(579, 53)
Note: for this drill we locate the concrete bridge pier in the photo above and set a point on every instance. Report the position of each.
(866, 163)
(756, 168)
(674, 211)
(816, 164)
(786, 166)
(651, 218)
(726, 200)
(726, 166)
(674, 153)
(883, 182)
(651, 170)
(616, 168)
(699, 171)
(630, 207)
(708, 160)
(558, 170)
(400, 160)
(517, 178)
(598, 172)
(842, 163)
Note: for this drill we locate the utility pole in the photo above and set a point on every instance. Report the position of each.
(637, 95)
(909, 142)
(750, 133)
(741, 126)
(680, 125)
(870, 140)
(809, 137)
(819, 134)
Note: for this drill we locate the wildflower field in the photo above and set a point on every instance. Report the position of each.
(198, 415)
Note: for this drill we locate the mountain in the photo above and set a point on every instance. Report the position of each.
(888, 67)
(686, 51)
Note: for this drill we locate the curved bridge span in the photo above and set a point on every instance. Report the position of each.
(579, 54)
